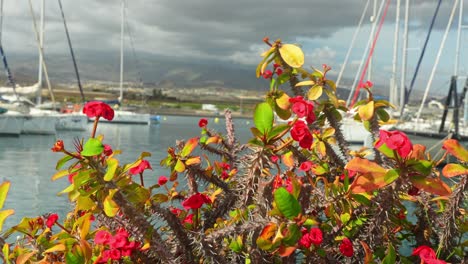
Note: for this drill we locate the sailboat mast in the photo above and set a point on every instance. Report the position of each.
(393, 86)
(403, 59)
(122, 18)
(41, 59)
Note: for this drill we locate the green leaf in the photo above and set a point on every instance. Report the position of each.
(236, 244)
(382, 114)
(422, 166)
(92, 147)
(84, 203)
(292, 55)
(6, 253)
(62, 161)
(72, 258)
(160, 198)
(345, 218)
(112, 165)
(361, 199)
(4, 187)
(390, 258)
(278, 131)
(391, 176)
(263, 117)
(306, 83)
(292, 235)
(384, 149)
(286, 203)
(179, 166)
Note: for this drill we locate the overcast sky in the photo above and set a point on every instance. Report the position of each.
(230, 31)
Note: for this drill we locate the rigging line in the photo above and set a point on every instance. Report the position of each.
(416, 71)
(72, 53)
(132, 45)
(442, 44)
(361, 62)
(356, 93)
(41, 52)
(356, 32)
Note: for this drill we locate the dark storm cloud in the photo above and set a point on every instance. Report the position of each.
(222, 29)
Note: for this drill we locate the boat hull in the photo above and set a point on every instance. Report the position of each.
(11, 125)
(71, 122)
(39, 125)
(128, 117)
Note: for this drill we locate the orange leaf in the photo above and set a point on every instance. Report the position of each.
(418, 152)
(190, 145)
(288, 159)
(368, 257)
(285, 251)
(453, 147)
(451, 170)
(194, 160)
(431, 185)
(367, 183)
(214, 139)
(365, 166)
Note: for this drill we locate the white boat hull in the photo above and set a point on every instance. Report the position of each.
(128, 117)
(11, 125)
(71, 122)
(39, 124)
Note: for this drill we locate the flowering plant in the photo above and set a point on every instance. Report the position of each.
(295, 193)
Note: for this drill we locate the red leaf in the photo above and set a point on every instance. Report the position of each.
(285, 251)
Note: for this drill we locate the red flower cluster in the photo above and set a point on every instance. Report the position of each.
(119, 245)
(144, 164)
(314, 236)
(196, 201)
(107, 150)
(346, 247)
(300, 132)
(224, 170)
(305, 166)
(395, 140)
(427, 255)
(303, 108)
(58, 146)
(367, 84)
(203, 122)
(277, 70)
(98, 109)
(51, 220)
(287, 184)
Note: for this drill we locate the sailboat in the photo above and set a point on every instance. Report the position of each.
(433, 124)
(122, 116)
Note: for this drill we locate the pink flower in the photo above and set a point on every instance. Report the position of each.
(316, 236)
(51, 220)
(203, 122)
(188, 219)
(98, 109)
(102, 237)
(144, 164)
(118, 241)
(162, 180)
(267, 74)
(306, 166)
(107, 150)
(303, 108)
(195, 201)
(395, 140)
(300, 132)
(346, 247)
(114, 254)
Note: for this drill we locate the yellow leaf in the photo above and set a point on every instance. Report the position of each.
(59, 247)
(306, 83)
(110, 207)
(3, 215)
(180, 166)
(24, 257)
(292, 55)
(283, 101)
(366, 111)
(321, 148)
(315, 92)
(194, 160)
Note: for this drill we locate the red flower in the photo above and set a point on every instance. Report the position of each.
(176, 211)
(413, 191)
(279, 71)
(98, 109)
(346, 247)
(51, 220)
(114, 254)
(274, 159)
(276, 65)
(102, 237)
(300, 132)
(267, 74)
(195, 201)
(305, 166)
(202, 122)
(277, 182)
(303, 108)
(107, 150)
(427, 255)
(144, 164)
(351, 174)
(58, 146)
(305, 241)
(188, 219)
(118, 241)
(162, 180)
(395, 140)
(316, 236)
